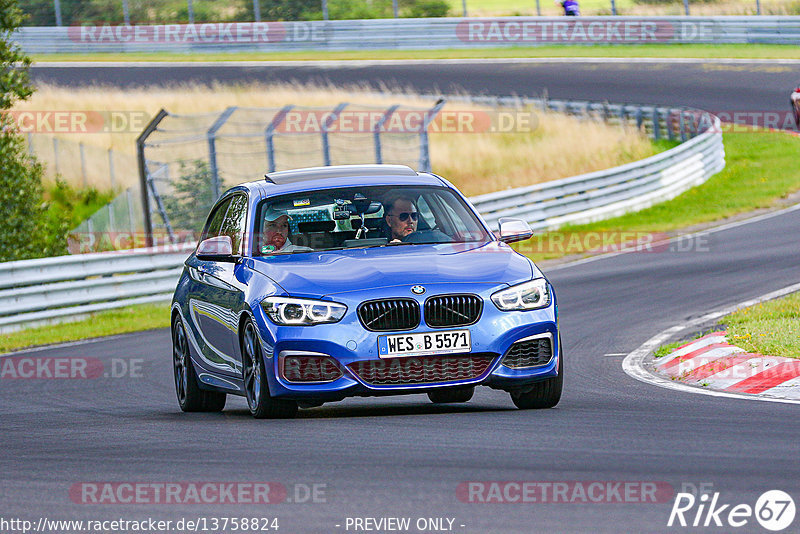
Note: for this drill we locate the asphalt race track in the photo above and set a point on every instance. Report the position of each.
(710, 86)
(405, 457)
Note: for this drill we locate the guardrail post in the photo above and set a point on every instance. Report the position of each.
(376, 132)
(140, 159)
(326, 147)
(269, 133)
(424, 149)
(212, 150)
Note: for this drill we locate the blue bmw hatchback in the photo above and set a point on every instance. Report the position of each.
(318, 284)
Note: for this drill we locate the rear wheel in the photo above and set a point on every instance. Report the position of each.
(544, 394)
(190, 397)
(261, 405)
(451, 395)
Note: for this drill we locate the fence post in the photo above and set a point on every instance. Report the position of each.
(656, 125)
(191, 11)
(131, 220)
(111, 169)
(326, 148)
(671, 124)
(682, 126)
(424, 149)
(57, 8)
(212, 150)
(82, 150)
(394, 8)
(55, 154)
(111, 225)
(269, 134)
(324, 9)
(142, 164)
(686, 7)
(614, 8)
(376, 132)
(126, 14)
(639, 118)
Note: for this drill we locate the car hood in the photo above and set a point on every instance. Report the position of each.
(318, 274)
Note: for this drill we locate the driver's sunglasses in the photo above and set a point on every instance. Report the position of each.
(405, 215)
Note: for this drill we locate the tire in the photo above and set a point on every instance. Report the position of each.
(451, 395)
(544, 394)
(254, 376)
(190, 397)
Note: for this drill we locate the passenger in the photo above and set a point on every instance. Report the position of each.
(275, 233)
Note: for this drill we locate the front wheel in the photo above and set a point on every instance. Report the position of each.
(261, 405)
(190, 397)
(544, 394)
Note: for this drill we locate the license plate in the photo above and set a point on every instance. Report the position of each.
(425, 343)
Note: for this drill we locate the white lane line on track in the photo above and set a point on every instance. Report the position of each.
(633, 364)
(681, 237)
(453, 61)
(69, 344)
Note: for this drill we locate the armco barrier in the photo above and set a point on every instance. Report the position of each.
(430, 33)
(51, 289)
(41, 291)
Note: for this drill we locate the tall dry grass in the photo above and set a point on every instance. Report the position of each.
(557, 147)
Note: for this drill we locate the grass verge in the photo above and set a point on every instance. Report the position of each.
(106, 323)
(761, 168)
(744, 51)
(770, 328)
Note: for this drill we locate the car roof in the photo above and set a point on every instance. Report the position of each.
(314, 178)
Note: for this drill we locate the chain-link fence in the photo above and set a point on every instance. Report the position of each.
(84, 164)
(189, 160)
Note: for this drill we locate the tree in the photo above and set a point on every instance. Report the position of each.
(24, 229)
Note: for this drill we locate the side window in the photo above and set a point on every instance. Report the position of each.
(234, 223)
(214, 224)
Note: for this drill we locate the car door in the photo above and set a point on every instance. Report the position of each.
(215, 297)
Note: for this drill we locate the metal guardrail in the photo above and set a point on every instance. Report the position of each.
(429, 33)
(47, 290)
(42, 291)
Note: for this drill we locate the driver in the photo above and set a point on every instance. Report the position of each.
(275, 233)
(401, 216)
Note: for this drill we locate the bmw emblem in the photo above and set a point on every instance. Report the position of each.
(418, 290)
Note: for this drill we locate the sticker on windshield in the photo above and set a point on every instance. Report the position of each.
(266, 249)
(303, 202)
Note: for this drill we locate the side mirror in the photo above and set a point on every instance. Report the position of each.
(513, 230)
(218, 248)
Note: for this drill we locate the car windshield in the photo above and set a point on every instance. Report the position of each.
(358, 217)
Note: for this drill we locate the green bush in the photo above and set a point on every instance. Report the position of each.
(25, 231)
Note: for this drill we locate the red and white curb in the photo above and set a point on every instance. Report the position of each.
(712, 362)
(640, 365)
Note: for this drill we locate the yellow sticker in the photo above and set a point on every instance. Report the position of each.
(304, 202)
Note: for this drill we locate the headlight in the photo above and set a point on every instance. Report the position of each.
(287, 311)
(526, 296)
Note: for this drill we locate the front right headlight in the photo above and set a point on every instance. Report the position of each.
(525, 296)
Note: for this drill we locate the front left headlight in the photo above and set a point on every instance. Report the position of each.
(287, 311)
(526, 296)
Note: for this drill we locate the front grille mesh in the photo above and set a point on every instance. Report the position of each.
(424, 370)
(530, 353)
(389, 314)
(453, 310)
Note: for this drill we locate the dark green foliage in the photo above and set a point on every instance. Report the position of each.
(25, 231)
(192, 198)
